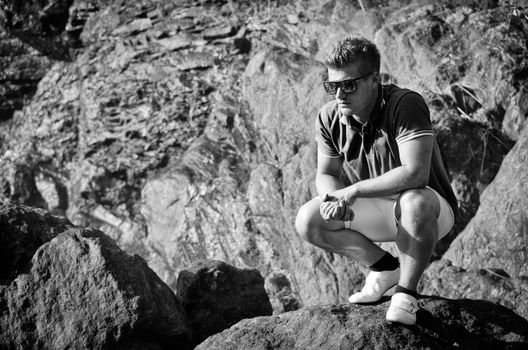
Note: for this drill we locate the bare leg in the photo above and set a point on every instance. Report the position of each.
(333, 236)
(417, 233)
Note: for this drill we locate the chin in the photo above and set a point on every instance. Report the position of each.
(347, 111)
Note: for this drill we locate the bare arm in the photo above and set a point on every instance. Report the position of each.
(328, 181)
(415, 156)
(328, 173)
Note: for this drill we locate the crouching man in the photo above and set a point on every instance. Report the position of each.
(382, 134)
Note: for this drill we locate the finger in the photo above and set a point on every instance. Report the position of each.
(350, 214)
(325, 208)
(326, 205)
(344, 214)
(325, 211)
(322, 213)
(330, 214)
(340, 211)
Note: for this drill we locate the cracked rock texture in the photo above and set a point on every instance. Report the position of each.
(184, 129)
(82, 292)
(64, 287)
(441, 324)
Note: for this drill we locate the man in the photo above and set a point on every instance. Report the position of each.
(381, 135)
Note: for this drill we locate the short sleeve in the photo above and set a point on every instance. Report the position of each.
(411, 118)
(323, 135)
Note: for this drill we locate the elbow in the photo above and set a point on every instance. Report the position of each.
(420, 178)
(421, 184)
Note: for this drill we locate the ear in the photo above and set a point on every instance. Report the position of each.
(376, 78)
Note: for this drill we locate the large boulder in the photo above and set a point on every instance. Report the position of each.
(442, 324)
(496, 237)
(82, 291)
(216, 295)
(22, 231)
(494, 285)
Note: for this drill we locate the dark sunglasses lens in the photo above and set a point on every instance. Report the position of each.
(330, 87)
(348, 86)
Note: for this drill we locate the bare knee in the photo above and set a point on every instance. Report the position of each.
(306, 222)
(421, 205)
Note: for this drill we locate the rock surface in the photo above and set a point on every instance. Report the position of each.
(31, 41)
(496, 237)
(441, 324)
(82, 291)
(491, 284)
(216, 295)
(22, 231)
(184, 129)
(22, 67)
(489, 256)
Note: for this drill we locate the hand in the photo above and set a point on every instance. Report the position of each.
(348, 195)
(333, 208)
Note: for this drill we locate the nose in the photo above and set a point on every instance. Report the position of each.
(340, 94)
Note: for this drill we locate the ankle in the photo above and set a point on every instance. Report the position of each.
(400, 289)
(386, 263)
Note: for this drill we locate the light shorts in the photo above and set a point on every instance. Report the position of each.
(375, 218)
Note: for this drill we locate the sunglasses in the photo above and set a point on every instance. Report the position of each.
(347, 86)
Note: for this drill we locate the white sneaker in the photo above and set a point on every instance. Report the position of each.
(402, 309)
(376, 284)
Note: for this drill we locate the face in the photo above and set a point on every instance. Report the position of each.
(360, 102)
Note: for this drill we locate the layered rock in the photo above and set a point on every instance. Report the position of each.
(21, 67)
(496, 237)
(488, 259)
(82, 291)
(184, 129)
(31, 41)
(441, 324)
(491, 284)
(36, 16)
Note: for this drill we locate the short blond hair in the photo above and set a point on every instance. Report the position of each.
(352, 49)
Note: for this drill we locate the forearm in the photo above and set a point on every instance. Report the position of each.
(326, 183)
(392, 182)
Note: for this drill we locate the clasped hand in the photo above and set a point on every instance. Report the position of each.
(333, 208)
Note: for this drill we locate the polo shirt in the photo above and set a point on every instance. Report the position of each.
(371, 149)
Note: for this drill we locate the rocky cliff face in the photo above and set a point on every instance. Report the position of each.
(33, 36)
(489, 256)
(184, 129)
